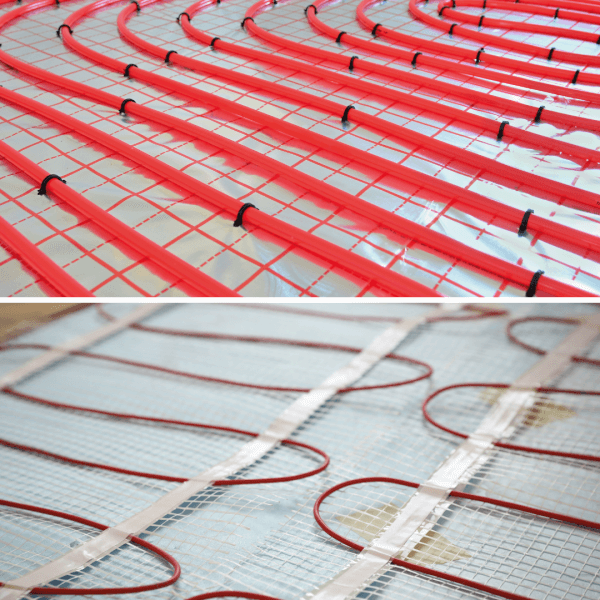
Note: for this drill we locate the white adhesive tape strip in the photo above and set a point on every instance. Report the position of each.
(59, 352)
(280, 429)
(415, 516)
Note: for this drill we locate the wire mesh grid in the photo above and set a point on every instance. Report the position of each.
(249, 261)
(263, 538)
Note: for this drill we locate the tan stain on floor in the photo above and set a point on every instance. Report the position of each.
(433, 549)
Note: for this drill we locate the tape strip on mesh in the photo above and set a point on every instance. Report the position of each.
(414, 521)
(281, 428)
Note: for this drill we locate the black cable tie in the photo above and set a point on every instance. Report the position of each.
(484, 4)
(478, 57)
(556, 14)
(551, 53)
(274, 2)
(598, 40)
(19, 2)
(538, 114)
(245, 19)
(451, 28)
(338, 39)
(351, 65)
(480, 20)
(345, 115)
(212, 42)
(413, 62)
(501, 130)
(122, 109)
(574, 81)
(306, 9)
(63, 25)
(181, 15)
(169, 55)
(374, 32)
(218, 2)
(42, 190)
(57, 2)
(453, 3)
(240, 215)
(523, 227)
(126, 73)
(441, 11)
(137, 4)
(533, 285)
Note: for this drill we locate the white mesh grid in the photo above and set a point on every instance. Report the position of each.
(263, 538)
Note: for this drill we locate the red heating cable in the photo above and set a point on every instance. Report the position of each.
(578, 195)
(452, 66)
(201, 283)
(319, 140)
(524, 48)
(513, 338)
(56, 591)
(488, 124)
(454, 494)
(573, 455)
(389, 280)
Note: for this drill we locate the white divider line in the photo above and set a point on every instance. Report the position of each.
(414, 519)
(59, 352)
(281, 428)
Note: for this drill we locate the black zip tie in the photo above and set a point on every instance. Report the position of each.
(63, 25)
(413, 62)
(218, 2)
(533, 285)
(126, 73)
(453, 3)
(480, 20)
(484, 4)
(306, 9)
(374, 32)
(551, 53)
(441, 11)
(240, 215)
(19, 2)
(523, 227)
(169, 55)
(212, 42)
(57, 2)
(274, 2)
(122, 109)
(345, 115)
(338, 39)
(351, 65)
(556, 14)
(478, 57)
(245, 19)
(501, 130)
(42, 190)
(598, 40)
(538, 114)
(137, 4)
(181, 15)
(452, 27)
(574, 81)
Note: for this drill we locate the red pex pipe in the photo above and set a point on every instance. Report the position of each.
(387, 279)
(480, 57)
(475, 200)
(535, 181)
(203, 284)
(455, 494)
(56, 591)
(558, 55)
(574, 34)
(576, 456)
(37, 261)
(528, 112)
(448, 65)
(380, 90)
